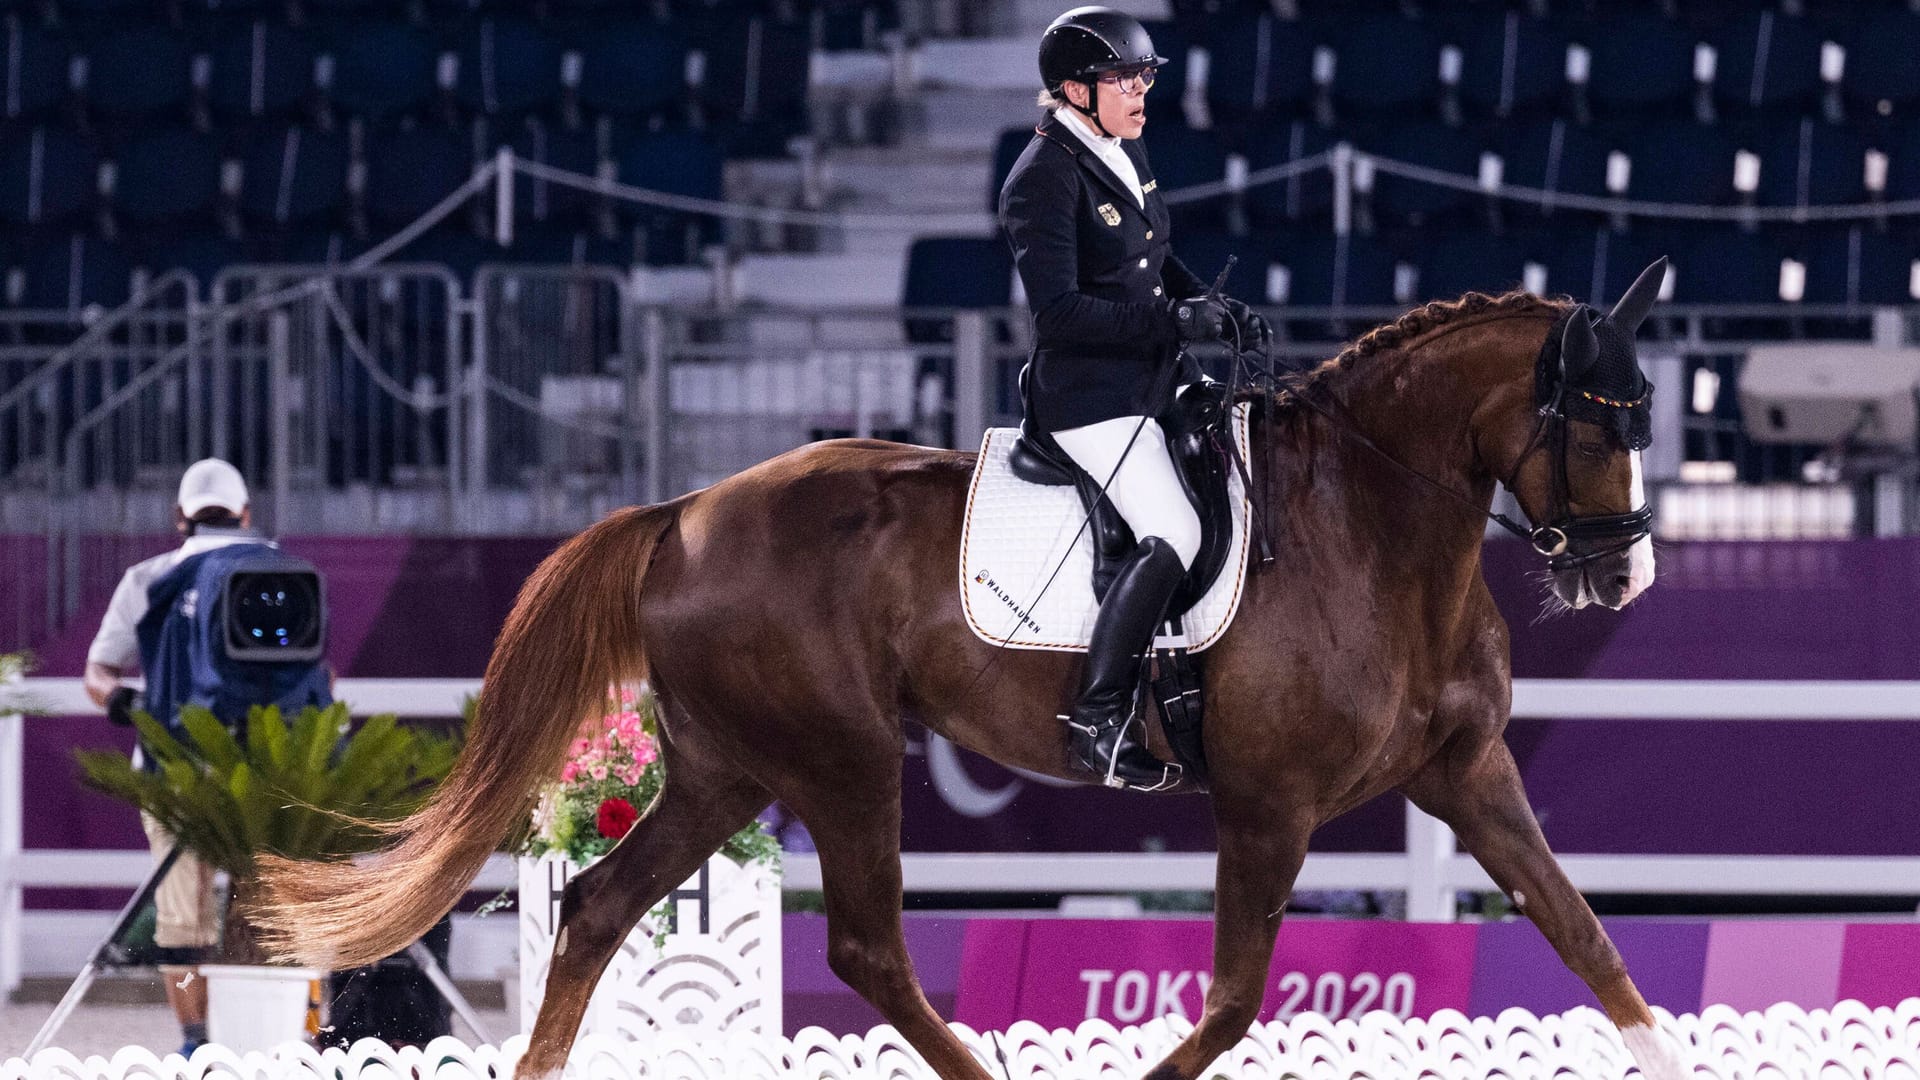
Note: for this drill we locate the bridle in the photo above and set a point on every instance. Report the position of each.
(1611, 533)
(1557, 536)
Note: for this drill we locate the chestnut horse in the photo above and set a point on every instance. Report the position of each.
(792, 617)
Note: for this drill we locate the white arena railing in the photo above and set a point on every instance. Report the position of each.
(1848, 1042)
(1431, 871)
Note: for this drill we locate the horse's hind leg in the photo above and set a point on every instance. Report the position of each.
(1475, 788)
(703, 801)
(854, 819)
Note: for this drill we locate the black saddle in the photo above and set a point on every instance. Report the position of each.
(1191, 424)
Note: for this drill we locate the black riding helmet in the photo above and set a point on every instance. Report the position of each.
(1087, 41)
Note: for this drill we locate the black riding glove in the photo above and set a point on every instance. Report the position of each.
(121, 705)
(1199, 318)
(1255, 334)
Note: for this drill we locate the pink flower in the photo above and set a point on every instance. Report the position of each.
(599, 770)
(645, 752)
(570, 773)
(627, 696)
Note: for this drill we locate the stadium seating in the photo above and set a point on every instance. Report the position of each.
(316, 127)
(259, 69)
(293, 175)
(36, 69)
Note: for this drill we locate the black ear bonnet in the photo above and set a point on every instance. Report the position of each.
(1610, 390)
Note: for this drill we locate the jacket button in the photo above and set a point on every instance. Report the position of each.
(1156, 290)
(1143, 264)
(1149, 234)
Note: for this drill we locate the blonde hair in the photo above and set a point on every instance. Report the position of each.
(1047, 100)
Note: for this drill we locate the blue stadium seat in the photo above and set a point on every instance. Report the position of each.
(382, 69)
(1880, 58)
(1205, 253)
(1596, 265)
(408, 172)
(755, 83)
(678, 162)
(1511, 64)
(1679, 161)
(854, 24)
(1297, 198)
(507, 65)
(1810, 163)
(563, 148)
(1183, 158)
(1767, 60)
(1857, 264)
(631, 67)
(1325, 270)
(47, 175)
(954, 272)
(1401, 201)
(165, 173)
(261, 68)
(1459, 261)
(1640, 62)
(137, 70)
(1717, 264)
(67, 273)
(1555, 156)
(36, 69)
(958, 272)
(1386, 64)
(292, 175)
(1256, 62)
(1006, 151)
(1903, 167)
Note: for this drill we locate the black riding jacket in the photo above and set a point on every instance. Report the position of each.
(1098, 275)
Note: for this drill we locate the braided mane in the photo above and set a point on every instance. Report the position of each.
(1438, 313)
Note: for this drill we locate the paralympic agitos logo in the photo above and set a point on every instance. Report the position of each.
(985, 577)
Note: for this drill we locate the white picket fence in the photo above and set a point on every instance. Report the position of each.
(1848, 1042)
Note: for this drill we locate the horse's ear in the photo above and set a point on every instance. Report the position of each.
(1639, 297)
(1579, 345)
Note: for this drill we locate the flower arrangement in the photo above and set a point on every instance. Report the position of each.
(612, 774)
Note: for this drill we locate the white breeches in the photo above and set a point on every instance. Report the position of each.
(1146, 490)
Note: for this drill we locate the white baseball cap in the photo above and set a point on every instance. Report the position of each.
(212, 482)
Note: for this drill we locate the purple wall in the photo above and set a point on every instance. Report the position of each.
(1840, 609)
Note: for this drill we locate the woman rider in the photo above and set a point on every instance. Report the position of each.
(1111, 306)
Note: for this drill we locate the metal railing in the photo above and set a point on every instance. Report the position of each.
(397, 399)
(1430, 870)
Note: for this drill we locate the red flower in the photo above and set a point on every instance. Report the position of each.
(615, 817)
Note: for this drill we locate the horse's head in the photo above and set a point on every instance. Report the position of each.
(1576, 469)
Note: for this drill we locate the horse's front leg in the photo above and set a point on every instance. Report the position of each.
(1474, 786)
(1260, 855)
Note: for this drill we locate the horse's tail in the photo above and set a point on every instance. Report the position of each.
(573, 632)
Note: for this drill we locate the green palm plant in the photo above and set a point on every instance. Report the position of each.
(315, 788)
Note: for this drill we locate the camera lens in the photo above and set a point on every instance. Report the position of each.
(271, 612)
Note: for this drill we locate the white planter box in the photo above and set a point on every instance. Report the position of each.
(258, 1006)
(718, 972)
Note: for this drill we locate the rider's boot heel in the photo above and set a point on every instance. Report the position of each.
(1099, 735)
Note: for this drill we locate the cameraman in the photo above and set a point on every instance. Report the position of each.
(210, 512)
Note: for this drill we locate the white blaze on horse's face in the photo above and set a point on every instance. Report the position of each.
(1640, 555)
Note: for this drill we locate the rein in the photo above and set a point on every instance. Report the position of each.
(1563, 528)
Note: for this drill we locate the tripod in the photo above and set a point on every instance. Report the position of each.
(112, 953)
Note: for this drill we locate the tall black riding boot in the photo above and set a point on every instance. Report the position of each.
(1098, 727)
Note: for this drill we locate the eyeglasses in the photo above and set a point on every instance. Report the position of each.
(1129, 80)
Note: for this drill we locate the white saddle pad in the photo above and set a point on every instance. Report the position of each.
(1017, 534)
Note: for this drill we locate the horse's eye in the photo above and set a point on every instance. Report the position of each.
(1592, 449)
